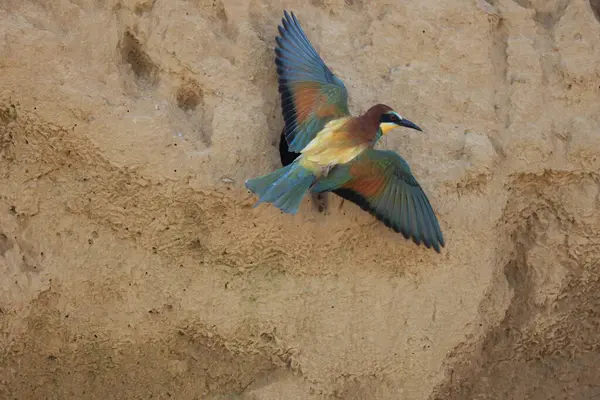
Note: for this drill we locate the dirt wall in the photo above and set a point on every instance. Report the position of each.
(133, 266)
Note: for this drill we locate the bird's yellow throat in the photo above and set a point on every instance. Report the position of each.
(387, 126)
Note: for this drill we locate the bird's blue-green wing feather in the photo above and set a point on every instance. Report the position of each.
(382, 183)
(311, 95)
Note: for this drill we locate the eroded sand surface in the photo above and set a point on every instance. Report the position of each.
(133, 266)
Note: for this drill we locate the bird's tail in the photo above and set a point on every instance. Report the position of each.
(284, 188)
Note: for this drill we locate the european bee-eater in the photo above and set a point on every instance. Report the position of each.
(336, 149)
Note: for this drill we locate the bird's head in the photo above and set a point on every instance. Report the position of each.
(391, 119)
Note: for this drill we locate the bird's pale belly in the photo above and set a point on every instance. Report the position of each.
(332, 156)
(322, 162)
(330, 147)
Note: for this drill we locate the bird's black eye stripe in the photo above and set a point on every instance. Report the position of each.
(389, 117)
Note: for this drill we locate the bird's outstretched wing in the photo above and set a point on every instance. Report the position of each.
(311, 95)
(381, 183)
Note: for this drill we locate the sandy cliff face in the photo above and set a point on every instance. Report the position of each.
(133, 266)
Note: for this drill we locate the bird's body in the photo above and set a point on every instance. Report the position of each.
(336, 149)
(339, 142)
(342, 139)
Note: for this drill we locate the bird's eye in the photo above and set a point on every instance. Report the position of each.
(390, 118)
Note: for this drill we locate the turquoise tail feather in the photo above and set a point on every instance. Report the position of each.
(284, 188)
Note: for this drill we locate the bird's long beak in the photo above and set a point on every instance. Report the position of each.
(408, 124)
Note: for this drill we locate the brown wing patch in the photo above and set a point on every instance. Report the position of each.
(368, 178)
(368, 187)
(365, 168)
(306, 98)
(309, 98)
(327, 110)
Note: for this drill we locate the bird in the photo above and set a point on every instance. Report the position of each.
(328, 149)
